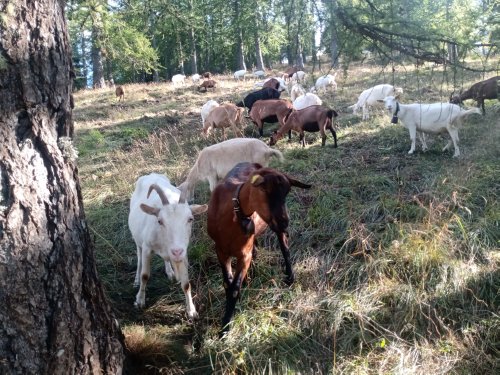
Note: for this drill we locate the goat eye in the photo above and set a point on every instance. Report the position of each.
(190, 220)
(160, 221)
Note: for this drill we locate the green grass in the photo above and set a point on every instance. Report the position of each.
(396, 256)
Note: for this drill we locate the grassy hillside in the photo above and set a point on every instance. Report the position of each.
(396, 256)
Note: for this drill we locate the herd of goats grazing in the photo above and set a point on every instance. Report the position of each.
(247, 197)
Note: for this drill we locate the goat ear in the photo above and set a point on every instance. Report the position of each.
(197, 209)
(150, 210)
(256, 180)
(297, 183)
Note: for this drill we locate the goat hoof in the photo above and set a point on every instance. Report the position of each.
(139, 306)
(289, 280)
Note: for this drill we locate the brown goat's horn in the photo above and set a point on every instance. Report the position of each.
(160, 192)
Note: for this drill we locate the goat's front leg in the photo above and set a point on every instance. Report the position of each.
(139, 266)
(413, 137)
(182, 268)
(140, 299)
(233, 292)
(283, 241)
(169, 271)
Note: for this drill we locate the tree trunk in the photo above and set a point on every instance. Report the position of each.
(194, 58)
(156, 74)
(334, 42)
(97, 65)
(258, 52)
(299, 62)
(54, 316)
(240, 55)
(259, 61)
(85, 72)
(192, 40)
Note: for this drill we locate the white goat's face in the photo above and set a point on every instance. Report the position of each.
(174, 224)
(390, 103)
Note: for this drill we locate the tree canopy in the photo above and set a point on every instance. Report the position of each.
(141, 40)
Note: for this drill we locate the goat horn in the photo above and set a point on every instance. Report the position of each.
(182, 197)
(160, 192)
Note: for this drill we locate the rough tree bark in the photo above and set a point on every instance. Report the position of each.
(54, 317)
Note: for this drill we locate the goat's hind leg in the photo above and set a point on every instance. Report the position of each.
(334, 134)
(422, 136)
(454, 138)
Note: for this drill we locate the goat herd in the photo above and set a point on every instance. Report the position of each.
(247, 197)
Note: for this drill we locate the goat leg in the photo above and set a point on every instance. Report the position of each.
(283, 241)
(334, 134)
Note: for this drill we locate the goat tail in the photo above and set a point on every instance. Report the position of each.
(331, 114)
(277, 153)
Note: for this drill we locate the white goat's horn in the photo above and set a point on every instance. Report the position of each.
(160, 192)
(182, 198)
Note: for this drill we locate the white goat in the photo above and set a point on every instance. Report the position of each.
(259, 74)
(323, 82)
(240, 74)
(299, 76)
(205, 110)
(214, 162)
(160, 224)
(195, 78)
(296, 91)
(372, 96)
(178, 79)
(306, 100)
(432, 118)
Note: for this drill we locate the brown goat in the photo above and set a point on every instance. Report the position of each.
(289, 72)
(270, 111)
(487, 89)
(242, 206)
(224, 116)
(120, 93)
(272, 83)
(207, 84)
(310, 119)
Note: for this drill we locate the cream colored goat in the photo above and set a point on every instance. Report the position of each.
(214, 162)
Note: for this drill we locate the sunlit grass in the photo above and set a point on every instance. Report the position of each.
(396, 256)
